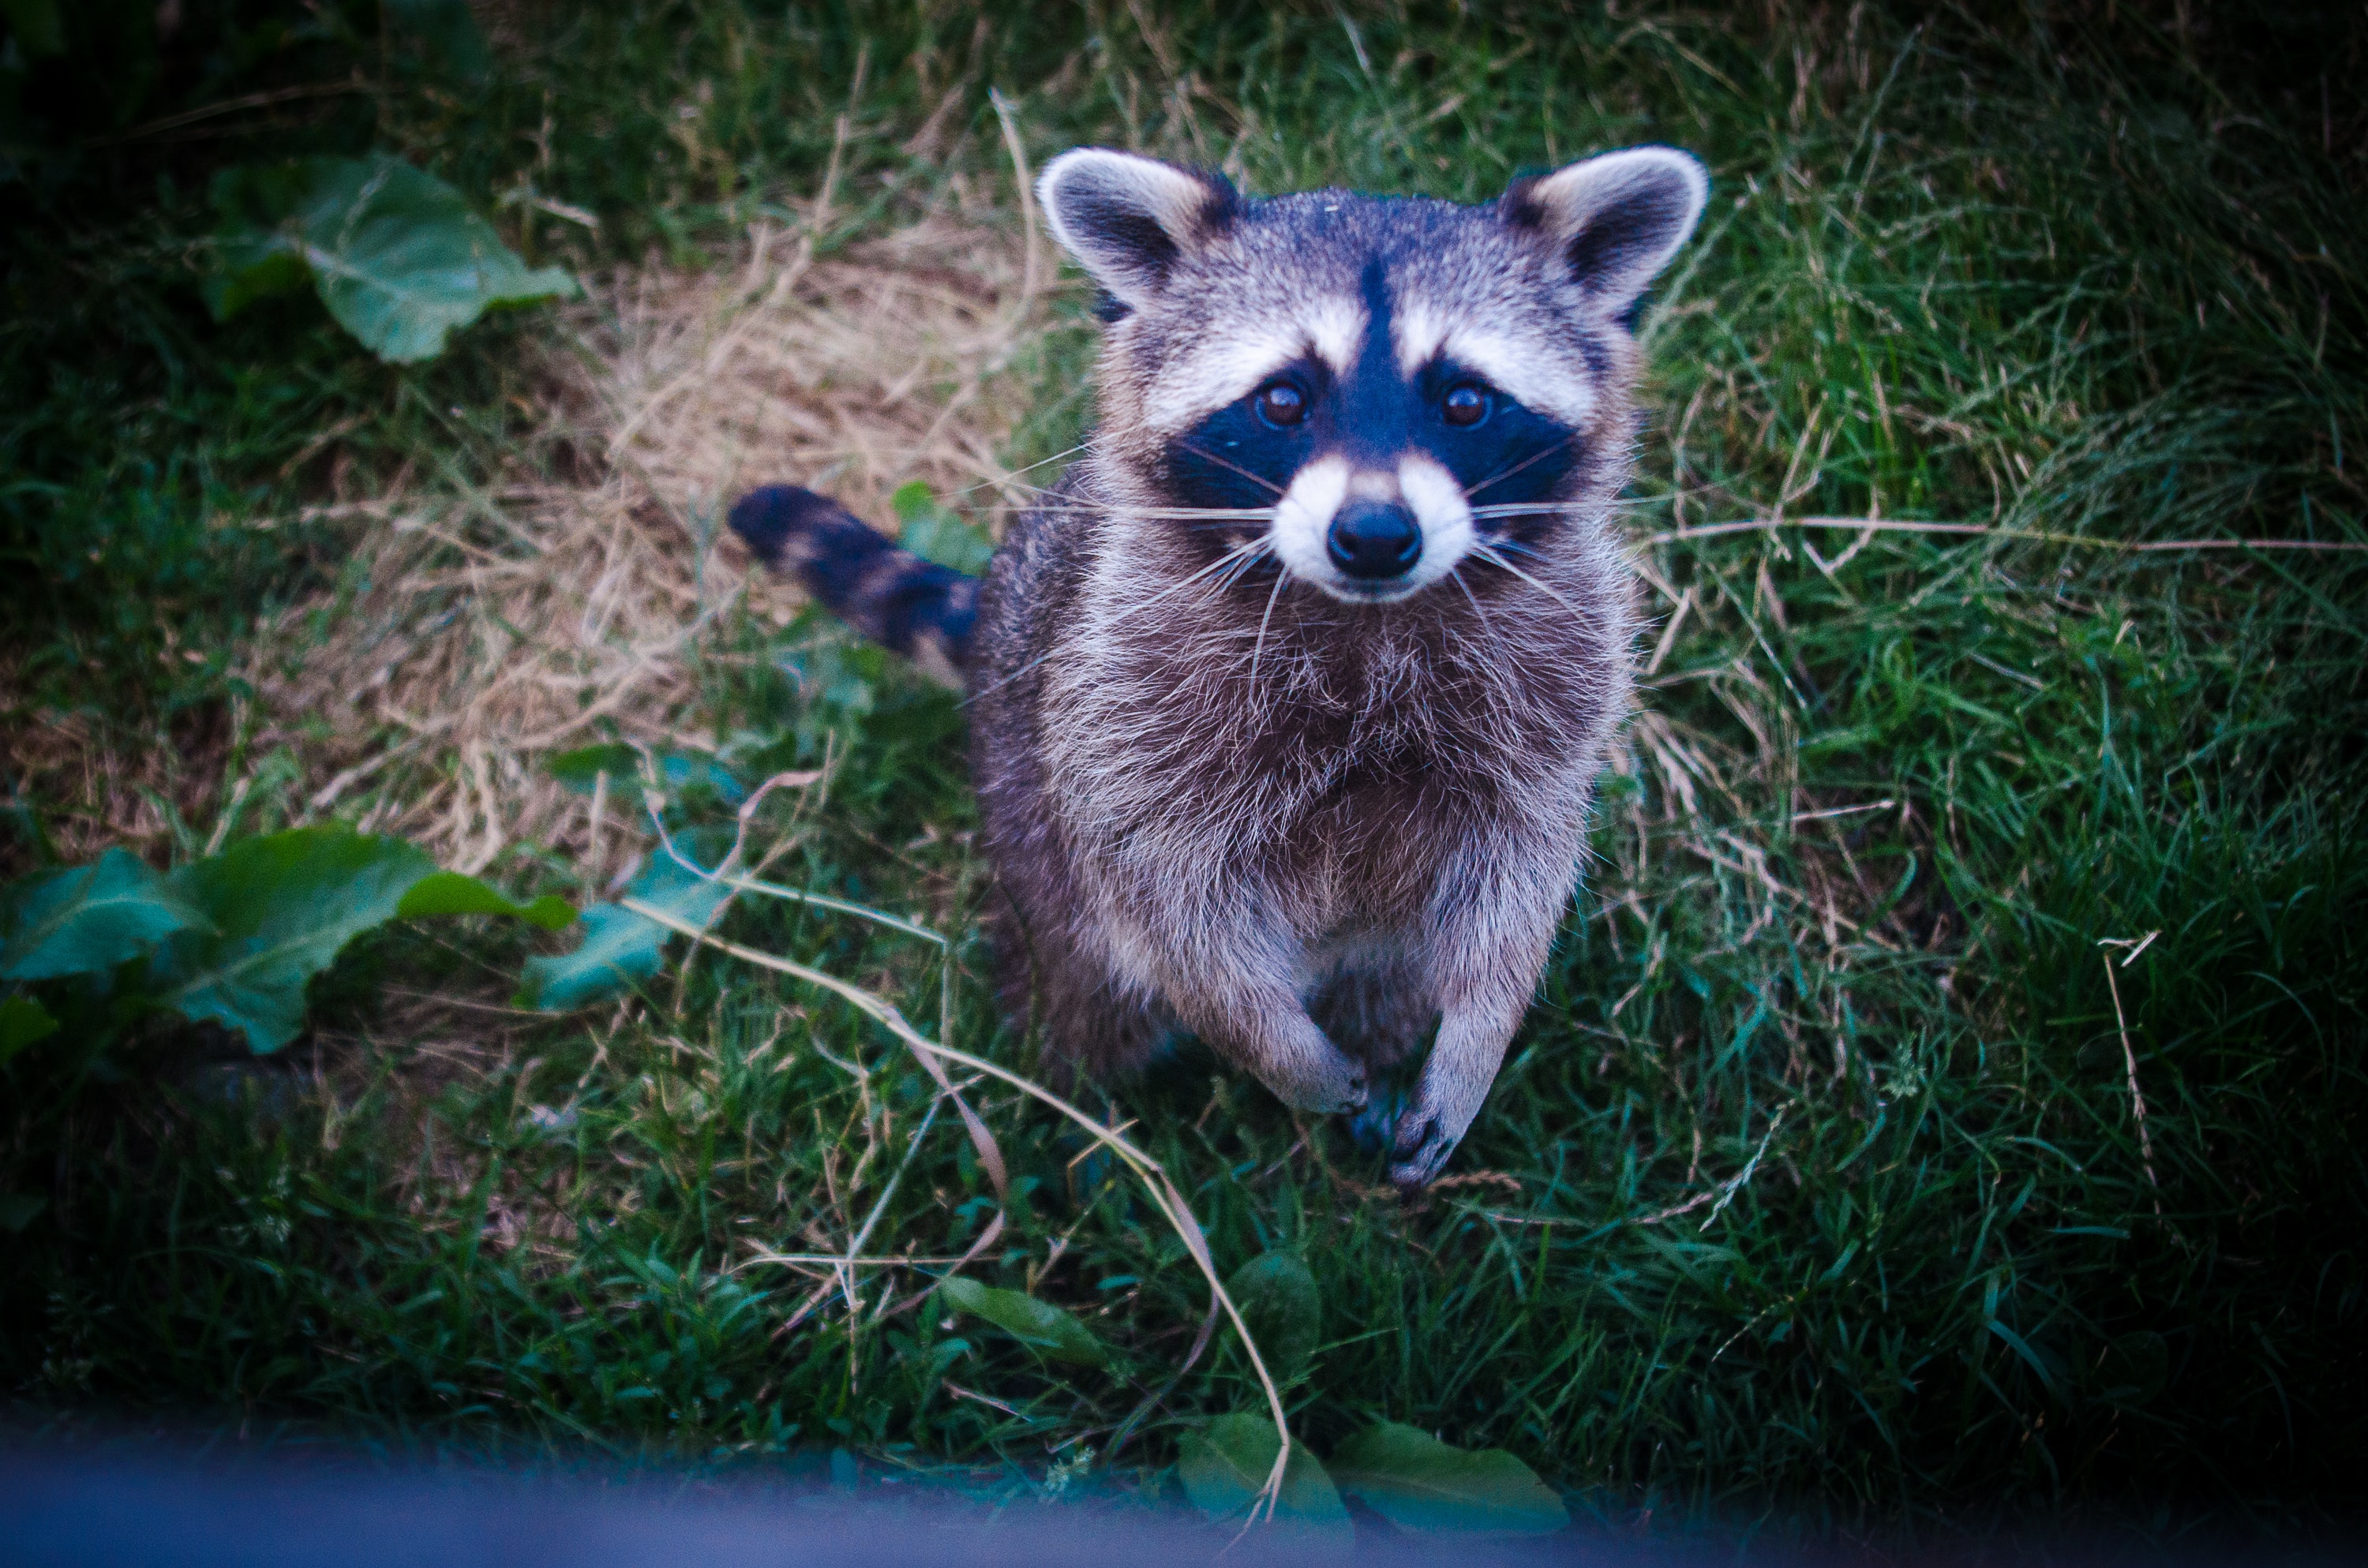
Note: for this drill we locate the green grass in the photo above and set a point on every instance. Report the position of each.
(2078, 277)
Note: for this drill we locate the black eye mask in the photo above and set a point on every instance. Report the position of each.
(1242, 456)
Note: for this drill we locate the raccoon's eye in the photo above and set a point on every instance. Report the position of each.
(1465, 405)
(1282, 404)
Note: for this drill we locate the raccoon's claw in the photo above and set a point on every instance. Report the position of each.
(1325, 1094)
(1346, 1100)
(1306, 1071)
(1454, 1082)
(1422, 1150)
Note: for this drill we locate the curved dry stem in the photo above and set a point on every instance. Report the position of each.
(990, 1152)
(1157, 1185)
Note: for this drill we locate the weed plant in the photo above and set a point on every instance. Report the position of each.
(1817, 1178)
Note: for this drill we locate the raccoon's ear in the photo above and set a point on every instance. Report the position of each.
(1615, 219)
(1129, 220)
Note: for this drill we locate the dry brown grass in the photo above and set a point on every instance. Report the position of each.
(98, 782)
(491, 628)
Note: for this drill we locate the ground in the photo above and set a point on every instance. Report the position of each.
(1945, 1096)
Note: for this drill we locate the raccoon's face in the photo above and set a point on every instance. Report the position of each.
(1372, 389)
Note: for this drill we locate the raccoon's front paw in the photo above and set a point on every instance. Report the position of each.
(1336, 1094)
(1291, 1056)
(1430, 1128)
(1327, 1084)
(1455, 1083)
(1420, 1149)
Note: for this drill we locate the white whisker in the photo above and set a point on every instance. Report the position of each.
(1248, 562)
(1012, 479)
(1519, 508)
(1455, 575)
(1259, 480)
(1183, 514)
(1233, 514)
(1487, 552)
(1532, 508)
(1250, 548)
(1537, 457)
(1259, 646)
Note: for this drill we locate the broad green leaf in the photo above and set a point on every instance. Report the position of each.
(395, 252)
(91, 918)
(254, 264)
(253, 269)
(1044, 1328)
(450, 892)
(23, 1021)
(279, 908)
(282, 907)
(1280, 1305)
(1418, 1482)
(1224, 1468)
(935, 534)
(678, 773)
(621, 949)
(18, 1209)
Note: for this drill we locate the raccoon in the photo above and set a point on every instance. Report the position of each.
(1288, 701)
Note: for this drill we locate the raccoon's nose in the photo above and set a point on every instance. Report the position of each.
(1373, 539)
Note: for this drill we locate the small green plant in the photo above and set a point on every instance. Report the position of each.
(394, 253)
(1402, 1472)
(1226, 1469)
(1418, 1482)
(620, 948)
(232, 938)
(1052, 1332)
(930, 530)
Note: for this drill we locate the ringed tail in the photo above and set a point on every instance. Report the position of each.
(905, 604)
